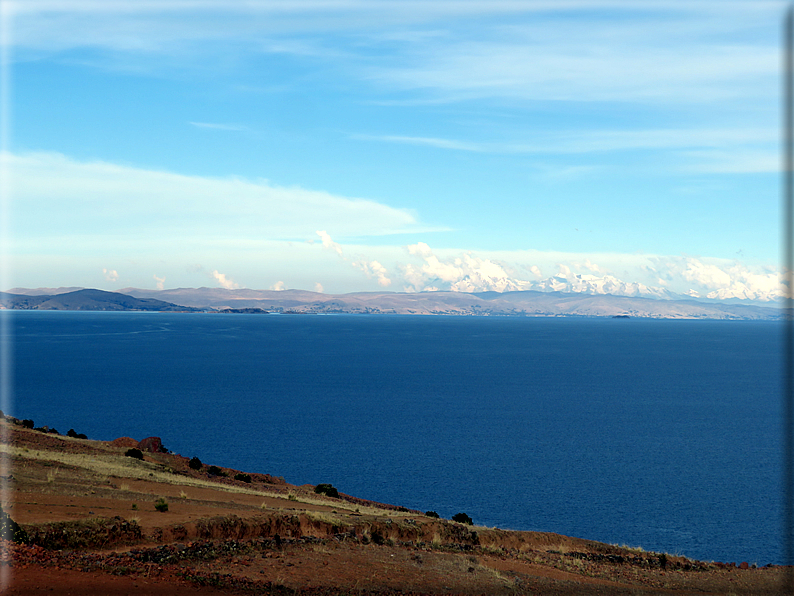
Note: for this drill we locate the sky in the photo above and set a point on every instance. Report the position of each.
(629, 147)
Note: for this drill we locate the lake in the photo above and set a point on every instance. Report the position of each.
(664, 434)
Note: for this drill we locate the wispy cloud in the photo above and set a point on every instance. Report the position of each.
(590, 141)
(663, 51)
(697, 150)
(370, 268)
(435, 142)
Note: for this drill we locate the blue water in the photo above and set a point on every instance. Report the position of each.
(655, 433)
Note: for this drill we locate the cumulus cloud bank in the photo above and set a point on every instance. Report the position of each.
(466, 273)
(662, 276)
(110, 274)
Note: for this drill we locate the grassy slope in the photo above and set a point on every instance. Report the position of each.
(87, 496)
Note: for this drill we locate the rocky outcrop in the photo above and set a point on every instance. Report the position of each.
(152, 445)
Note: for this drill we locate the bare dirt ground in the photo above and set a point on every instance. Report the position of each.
(92, 526)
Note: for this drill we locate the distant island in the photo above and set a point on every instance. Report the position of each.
(85, 299)
(245, 301)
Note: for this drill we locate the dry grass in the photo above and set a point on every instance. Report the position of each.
(559, 548)
(120, 466)
(633, 549)
(323, 517)
(124, 467)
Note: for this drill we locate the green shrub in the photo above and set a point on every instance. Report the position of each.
(326, 489)
(462, 518)
(133, 452)
(161, 505)
(432, 514)
(27, 423)
(195, 464)
(243, 478)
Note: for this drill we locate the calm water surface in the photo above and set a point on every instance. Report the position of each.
(659, 433)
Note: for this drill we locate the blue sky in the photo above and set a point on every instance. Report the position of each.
(339, 146)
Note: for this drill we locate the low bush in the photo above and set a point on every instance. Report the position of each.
(243, 478)
(216, 471)
(133, 452)
(326, 489)
(27, 423)
(161, 505)
(462, 518)
(195, 464)
(95, 532)
(11, 530)
(432, 514)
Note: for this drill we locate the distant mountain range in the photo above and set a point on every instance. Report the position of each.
(518, 303)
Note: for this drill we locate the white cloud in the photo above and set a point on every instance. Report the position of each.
(721, 278)
(278, 286)
(440, 50)
(328, 243)
(160, 282)
(374, 269)
(318, 287)
(110, 274)
(370, 268)
(709, 276)
(54, 195)
(224, 281)
(651, 276)
(737, 150)
(465, 273)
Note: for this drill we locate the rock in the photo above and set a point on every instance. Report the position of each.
(151, 445)
(125, 442)
(744, 565)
